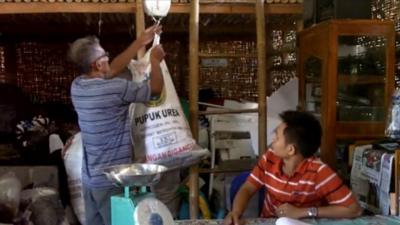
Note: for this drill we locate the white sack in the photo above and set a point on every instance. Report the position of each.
(73, 166)
(160, 131)
(10, 190)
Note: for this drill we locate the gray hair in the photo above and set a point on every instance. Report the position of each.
(84, 51)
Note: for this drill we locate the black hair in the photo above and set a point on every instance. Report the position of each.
(302, 130)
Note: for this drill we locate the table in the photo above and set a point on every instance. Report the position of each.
(367, 220)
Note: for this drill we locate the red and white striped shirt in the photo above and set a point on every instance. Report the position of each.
(312, 184)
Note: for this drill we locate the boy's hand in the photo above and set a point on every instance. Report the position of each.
(288, 210)
(233, 218)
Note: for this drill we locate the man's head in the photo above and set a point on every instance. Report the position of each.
(89, 56)
(299, 132)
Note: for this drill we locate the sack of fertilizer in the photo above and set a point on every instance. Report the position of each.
(160, 131)
(73, 166)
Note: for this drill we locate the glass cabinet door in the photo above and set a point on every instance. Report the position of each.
(313, 90)
(361, 78)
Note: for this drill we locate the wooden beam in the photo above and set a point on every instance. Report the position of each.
(112, 29)
(75, 7)
(283, 8)
(61, 7)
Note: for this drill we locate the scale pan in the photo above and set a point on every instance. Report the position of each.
(137, 174)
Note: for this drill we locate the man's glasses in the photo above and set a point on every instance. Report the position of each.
(105, 55)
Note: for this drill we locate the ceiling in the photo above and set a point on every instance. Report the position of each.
(75, 24)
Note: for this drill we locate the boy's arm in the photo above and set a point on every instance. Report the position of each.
(330, 211)
(240, 202)
(331, 189)
(335, 211)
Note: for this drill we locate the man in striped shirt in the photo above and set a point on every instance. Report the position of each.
(297, 183)
(102, 101)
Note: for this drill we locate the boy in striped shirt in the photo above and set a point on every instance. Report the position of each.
(297, 183)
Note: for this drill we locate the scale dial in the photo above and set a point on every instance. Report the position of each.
(157, 8)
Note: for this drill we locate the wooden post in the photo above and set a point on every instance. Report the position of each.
(193, 99)
(262, 70)
(299, 24)
(140, 24)
(396, 178)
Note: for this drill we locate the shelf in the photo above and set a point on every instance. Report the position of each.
(227, 111)
(74, 7)
(272, 52)
(232, 166)
(226, 55)
(313, 80)
(346, 130)
(361, 79)
(281, 67)
(354, 79)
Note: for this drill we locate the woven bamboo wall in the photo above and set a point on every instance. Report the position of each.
(3, 75)
(390, 9)
(43, 72)
(45, 75)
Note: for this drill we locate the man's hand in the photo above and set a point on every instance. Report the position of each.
(288, 210)
(233, 218)
(148, 35)
(157, 54)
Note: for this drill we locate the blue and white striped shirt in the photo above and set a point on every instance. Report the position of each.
(102, 106)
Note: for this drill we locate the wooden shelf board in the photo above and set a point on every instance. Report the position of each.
(361, 79)
(227, 111)
(232, 166)
(64, 7)
(227, 55)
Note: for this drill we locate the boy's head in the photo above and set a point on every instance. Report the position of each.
(299, 132)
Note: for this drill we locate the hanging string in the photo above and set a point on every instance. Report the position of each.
(157, 20)
(100, 22)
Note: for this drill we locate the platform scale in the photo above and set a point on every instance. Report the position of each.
(137, 207)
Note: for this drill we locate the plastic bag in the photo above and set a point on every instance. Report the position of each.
(45, 206)
(10, 190)
(393, 121)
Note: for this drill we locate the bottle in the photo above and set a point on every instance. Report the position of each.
(393, 121)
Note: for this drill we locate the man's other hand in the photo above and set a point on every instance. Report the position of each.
(157, 54)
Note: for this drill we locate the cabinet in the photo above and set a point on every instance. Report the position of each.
(346, 75)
